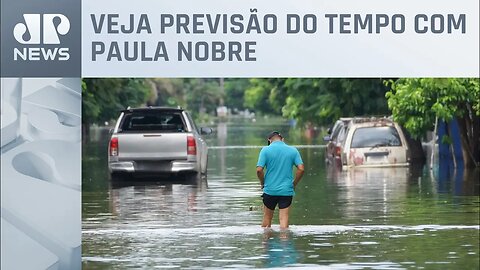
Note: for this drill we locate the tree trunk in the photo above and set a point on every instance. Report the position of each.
(416, 150)
(434, 143)
(475, 136)
(469, 140)
(222, 92)
(85, 132)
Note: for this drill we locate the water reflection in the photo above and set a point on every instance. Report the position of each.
(462, 182)
(280, 248)
(377, 186)
(149, 202)
(347, 219)
(222, 137)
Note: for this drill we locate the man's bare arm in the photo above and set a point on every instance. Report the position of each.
(298, 174)
(261, 175)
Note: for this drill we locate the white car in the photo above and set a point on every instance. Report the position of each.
(374, 142)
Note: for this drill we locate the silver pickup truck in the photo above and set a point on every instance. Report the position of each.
(157, 140)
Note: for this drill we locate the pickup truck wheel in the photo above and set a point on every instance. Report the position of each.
(193, 177)
(205, 170)
(118, 176)
(114, 176)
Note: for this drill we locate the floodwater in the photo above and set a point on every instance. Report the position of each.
(390, 218)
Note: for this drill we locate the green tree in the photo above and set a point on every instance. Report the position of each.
(256, 96)
(317, 101)
(201, 95)
(417, 103)
(322, 101)
(234, 92)
(102, 99)
(168, 92)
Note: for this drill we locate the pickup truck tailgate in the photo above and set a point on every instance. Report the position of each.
(152, 146)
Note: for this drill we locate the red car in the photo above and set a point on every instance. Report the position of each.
(335, 141)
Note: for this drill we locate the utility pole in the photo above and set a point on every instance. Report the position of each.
(222, 92)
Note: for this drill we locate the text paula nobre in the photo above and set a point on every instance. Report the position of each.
(200, 51)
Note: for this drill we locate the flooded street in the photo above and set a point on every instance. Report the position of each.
(381, 218)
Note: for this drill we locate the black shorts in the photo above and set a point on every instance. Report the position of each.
(271, 201)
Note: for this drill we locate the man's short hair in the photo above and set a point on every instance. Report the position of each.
(273, 134)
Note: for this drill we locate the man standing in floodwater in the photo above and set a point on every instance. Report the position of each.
(277, 182)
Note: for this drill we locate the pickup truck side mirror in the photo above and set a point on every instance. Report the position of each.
(206, 130)
(326, 138)
(329, 130)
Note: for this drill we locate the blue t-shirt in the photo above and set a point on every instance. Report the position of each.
(279, 159)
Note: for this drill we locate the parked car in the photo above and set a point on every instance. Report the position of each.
(374, 142)
(335, 140)
(157, 140)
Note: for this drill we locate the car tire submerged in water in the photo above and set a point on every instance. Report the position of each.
(192, 177)
(119, 176)
(205, 170)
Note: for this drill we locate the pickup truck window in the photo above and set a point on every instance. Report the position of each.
(152, 121)
(376, 137)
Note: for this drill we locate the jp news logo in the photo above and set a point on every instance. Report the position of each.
(40, 35)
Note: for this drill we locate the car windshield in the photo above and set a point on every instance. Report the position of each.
(375, 137)
(144, 121)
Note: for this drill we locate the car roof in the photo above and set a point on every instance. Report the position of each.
(152, 108)
(371, 122)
